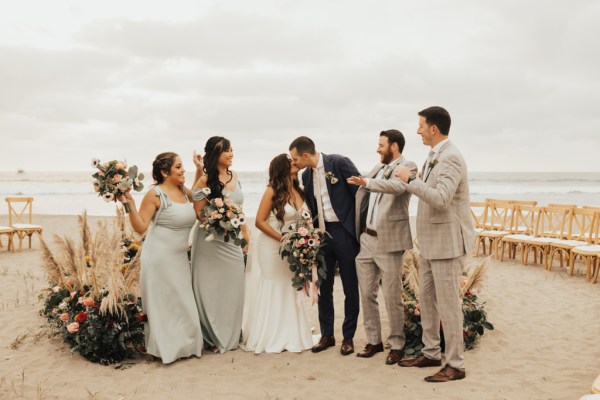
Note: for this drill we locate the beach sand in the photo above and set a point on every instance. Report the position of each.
(546, 345)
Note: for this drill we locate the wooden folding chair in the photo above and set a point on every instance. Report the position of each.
(524, 202)
(20, 218)
(590, 254)
(582, 222)
(522, 226)
(550, 227)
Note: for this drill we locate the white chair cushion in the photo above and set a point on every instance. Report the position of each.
(542, 240)
(493, 233)
(6, 228)
(595, 248)
(26, 226)
(573, 243)
(517, 237)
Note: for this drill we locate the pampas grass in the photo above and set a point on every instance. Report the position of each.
(95, 262)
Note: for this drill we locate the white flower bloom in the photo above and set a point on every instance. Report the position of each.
(108, 197)
(95, 162)
(55, 289)
(305, 214)
(206, 191)
(62, 306)
(210, 237)
(334, 180)
(242, 219)
(235, 222)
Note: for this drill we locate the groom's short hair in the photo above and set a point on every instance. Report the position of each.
(437, 116)
(303, 144)
(394, 136)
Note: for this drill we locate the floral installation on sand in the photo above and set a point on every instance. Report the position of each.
(302, 247)
(93, 300)
(114, 179)
(223, 217)
(471, 284)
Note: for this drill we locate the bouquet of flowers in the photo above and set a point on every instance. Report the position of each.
(92, 300)
(114, 179)
(224, 218)
(303, 248)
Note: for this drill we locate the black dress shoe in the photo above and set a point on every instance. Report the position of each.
(324, 343)
(347, 347)
(420, 362)
(394, 356)
(370, 350)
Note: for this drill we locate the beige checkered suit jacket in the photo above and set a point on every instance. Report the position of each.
(393, 227)
(444, 223)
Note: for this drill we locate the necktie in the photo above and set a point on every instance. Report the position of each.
(428, 162)
(319, 199)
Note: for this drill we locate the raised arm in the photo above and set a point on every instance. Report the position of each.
(448, 179)
(393, 185)
(140, 220)
(200, 200)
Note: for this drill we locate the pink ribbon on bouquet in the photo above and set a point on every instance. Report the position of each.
(314, 293)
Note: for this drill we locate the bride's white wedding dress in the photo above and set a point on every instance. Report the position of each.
(273, 321)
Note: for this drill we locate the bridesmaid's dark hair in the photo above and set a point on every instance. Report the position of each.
(163, 163)
(215, 146)
(279, 175)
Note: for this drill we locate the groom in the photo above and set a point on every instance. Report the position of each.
(331, 199)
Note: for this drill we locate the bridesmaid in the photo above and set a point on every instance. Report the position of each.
(173, 328)
(217, 266)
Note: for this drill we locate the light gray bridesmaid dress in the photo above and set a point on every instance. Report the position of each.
(173, 328)
(218, 280)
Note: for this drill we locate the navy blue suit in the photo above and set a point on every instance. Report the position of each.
(342, 248)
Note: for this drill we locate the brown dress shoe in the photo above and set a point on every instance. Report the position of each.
(347, 347)
(370, 350)
(324, 343)
(394, 356)
(420, 362)
(446, 374)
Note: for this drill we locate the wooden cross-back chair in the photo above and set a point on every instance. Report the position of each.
(581, 225)
(497, 226)
(522, 226)
(550, 227)
(590, 254)
(20, 218)
(9, 233)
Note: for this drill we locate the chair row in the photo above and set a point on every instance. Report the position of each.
(20, 222)
(562, 231)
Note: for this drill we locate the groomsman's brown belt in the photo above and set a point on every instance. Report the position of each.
(370, 232)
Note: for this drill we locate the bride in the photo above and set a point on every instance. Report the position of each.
(273, 321)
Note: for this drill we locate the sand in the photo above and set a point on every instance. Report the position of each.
(546, 345)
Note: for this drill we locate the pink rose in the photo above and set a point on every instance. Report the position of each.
(228, 214)
(120, 166)
(219, 202)
(73, 327)
(117, 178)
(70, 282)
(73, 295)
(64, 317)
(418, 309)
(88, 302)
(303, 231)
(228, 201)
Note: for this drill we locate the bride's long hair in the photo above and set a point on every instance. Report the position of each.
(215, 146)
(279, 181)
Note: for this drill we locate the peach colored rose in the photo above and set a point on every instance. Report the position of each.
(88, 302)
(219, 202)
(120, 166)
(64, 317)
(73, 327)
(73, 295)
(303, 231)
(70, 282)
(117, 178)
(418, 309)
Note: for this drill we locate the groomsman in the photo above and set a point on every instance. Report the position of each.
(383, 230)
(446, 235)
(331, 199)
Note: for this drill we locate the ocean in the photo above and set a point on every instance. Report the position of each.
(69, 193)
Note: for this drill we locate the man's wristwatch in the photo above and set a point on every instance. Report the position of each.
(411, 178)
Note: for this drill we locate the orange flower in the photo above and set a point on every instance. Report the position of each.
(88, 302)
(64, 317)
(117, 178)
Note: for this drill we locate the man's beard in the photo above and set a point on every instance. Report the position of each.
(387, 157)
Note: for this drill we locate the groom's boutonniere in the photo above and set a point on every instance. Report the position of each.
(329, 175)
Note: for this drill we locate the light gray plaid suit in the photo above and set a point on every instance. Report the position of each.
(445, 232)
(380, 257)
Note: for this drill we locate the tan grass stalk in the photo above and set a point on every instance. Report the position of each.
(476, 277)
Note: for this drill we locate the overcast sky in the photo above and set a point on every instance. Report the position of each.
(130, 79)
